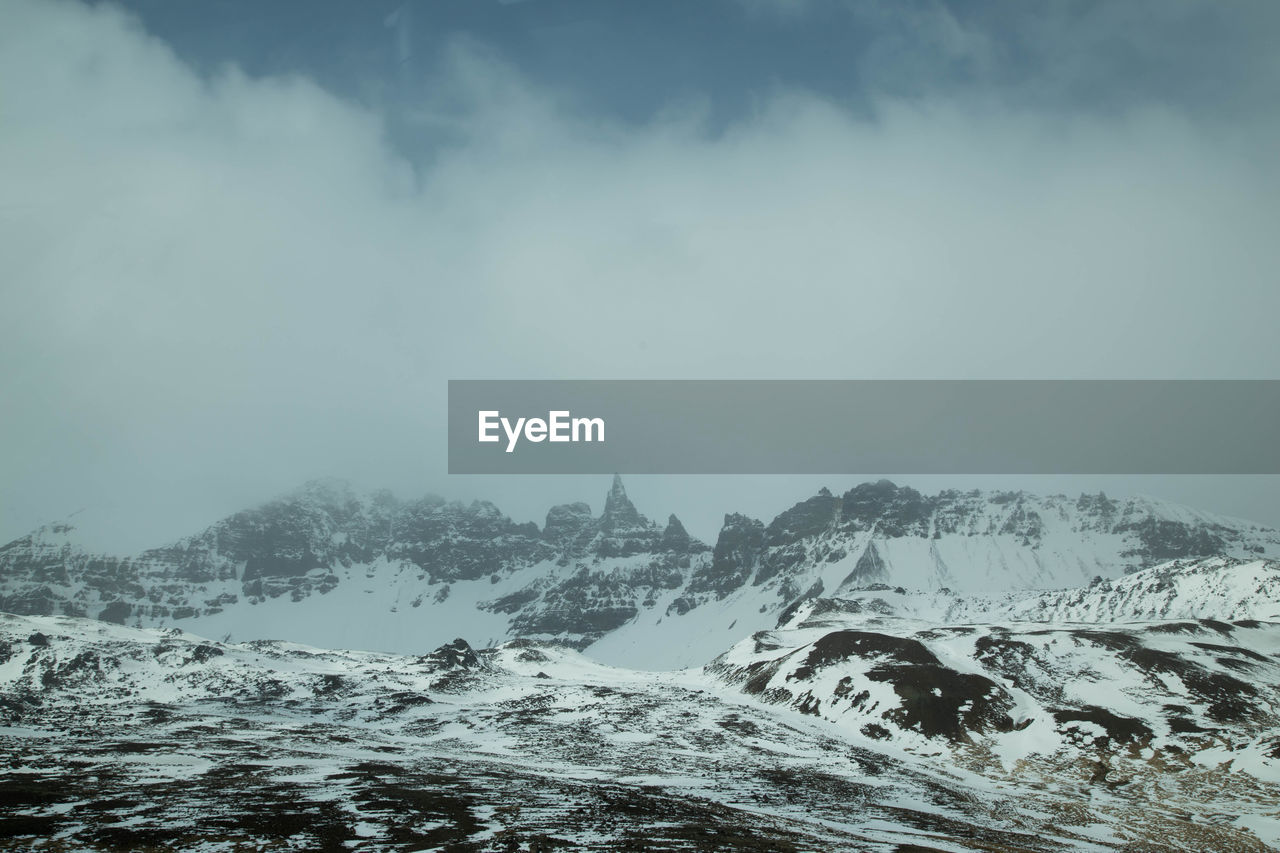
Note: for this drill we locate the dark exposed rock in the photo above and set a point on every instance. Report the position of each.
(939, 701)
(568, 523)
(790, 610)
(893, 511)
(1119, 729)
(619, 513)
(934, 699)
(734, 558)
(676, 538)
(451, 542)
(116, 611)
(455, 655)
(840, 646)
(39, 601)
(804, 520)
(868, 568)
(1161, 540)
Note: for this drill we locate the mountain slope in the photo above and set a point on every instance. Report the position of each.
(1221, 588)
(1168, 711)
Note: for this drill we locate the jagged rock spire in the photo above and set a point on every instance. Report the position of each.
(619, 512)
(675, 537)
(617, 490)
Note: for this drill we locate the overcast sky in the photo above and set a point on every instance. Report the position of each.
(245, 243)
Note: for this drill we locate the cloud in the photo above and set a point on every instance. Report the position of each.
(221, 285)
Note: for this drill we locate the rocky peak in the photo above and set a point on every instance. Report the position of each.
(619, 512)
(805, 519)
(899, 510)
(455, 655)
(1098, 504)
(675, 537)
(737, 550)
(567, 521)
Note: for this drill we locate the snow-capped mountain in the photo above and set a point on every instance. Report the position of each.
(1065, 678)
(1222, 588)
(330, 567)
(324, 564)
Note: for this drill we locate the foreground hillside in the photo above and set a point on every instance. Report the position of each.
(849, 728)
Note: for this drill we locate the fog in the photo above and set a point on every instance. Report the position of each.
(221, 276)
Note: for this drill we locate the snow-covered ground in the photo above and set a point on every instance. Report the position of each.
(126, 738)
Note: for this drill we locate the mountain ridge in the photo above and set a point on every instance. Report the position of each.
(403, 574)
